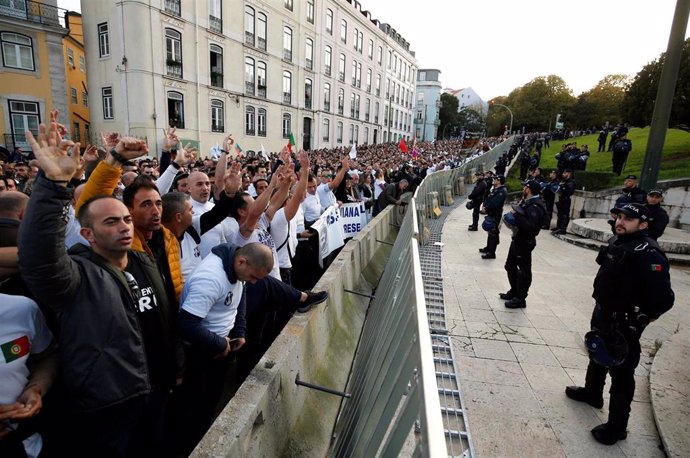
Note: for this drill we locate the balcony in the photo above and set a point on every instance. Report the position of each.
(366, 117)
(376, 119)
(34, 12)
(173, 7)
(173, 68)
(261, 132)
(249, 87)
(352, 112)
(341, 109)
(326, 138)
(369, 88)
(287, 55)
(378, 92)
(215, 24)
(354, 81)
(16, 140)
(215, 127)
(261, 91)
(309, 64)
(341, 76)
(249, 131)
(287, 98)
(327, 70)
(327, 106)
(216, 79)
(262, 43)
(307, 103)
(249, 38)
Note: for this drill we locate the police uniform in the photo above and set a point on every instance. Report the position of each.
(494, 207)
(477, 196)
(565, 192)
(658, 218)
(631, 288)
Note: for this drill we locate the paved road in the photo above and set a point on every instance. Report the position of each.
(515, 364)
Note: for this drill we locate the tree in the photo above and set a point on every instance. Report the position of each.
(448, 114)
(537, 103)
(637, 106)
(599, 105)
(498, 118)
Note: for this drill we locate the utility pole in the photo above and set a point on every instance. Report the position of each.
(664, 96)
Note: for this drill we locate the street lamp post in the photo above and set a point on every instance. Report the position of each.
(509, 111)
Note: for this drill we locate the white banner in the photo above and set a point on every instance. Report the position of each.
(330, 232)
(353, 217)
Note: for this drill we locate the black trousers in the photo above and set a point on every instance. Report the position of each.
(548, 203)
(618, 162)
(563, 208)
(475, 213)
(492, 241)
(519, 267)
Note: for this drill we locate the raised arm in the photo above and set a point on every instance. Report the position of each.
(341, 173)
(278, 198)
(301, 188)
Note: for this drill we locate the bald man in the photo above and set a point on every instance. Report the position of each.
(199, 187)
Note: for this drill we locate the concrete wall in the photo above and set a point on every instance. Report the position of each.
(676, 202)
(270, 415)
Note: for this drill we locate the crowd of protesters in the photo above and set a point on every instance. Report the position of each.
(138, 292)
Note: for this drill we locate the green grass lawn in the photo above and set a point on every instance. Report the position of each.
(674, 164)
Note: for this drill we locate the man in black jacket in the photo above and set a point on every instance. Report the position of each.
(631, 192)
(658, 218)
(493, 207)
(528, 217)
(477, 196)
(564, 194)
(116, 339)
(632, 288)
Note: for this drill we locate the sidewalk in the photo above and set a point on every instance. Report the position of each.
(515, 364)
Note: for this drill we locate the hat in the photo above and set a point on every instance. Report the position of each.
(631, 177)
(533, 186)
(500, 178)
(607, 349)
(633, 210)
(658, 192)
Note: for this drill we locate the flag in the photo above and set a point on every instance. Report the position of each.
(15, 349)
(263, 153)
(403, 146)
(353, 152)
(238, 147)
(215, 152)
(414, 153)
(291, 143)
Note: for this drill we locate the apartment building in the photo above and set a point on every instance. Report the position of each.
(428, 104)
(323, 70)
(77, 118)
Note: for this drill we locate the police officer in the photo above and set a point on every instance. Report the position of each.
(528, 217)
(477, 197)
(493, 207)
(631, 192)
(549, 195)
(565, 192)
(631, 289)
(658, 218)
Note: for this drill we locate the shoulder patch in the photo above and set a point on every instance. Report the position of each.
(656, 268)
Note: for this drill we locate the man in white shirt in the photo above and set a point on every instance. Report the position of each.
(329, 183)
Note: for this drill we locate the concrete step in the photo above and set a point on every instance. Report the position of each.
(674, 241)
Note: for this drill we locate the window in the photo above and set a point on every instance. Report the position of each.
(217, 116)
(173, 7)
(310, 11)
(73, 94)
(103, 40)
(249, 76)
(367, 108)
(360, 42)
(355, 34)
(84, 99)
(261, 30)
(352, 105)
(309, 54)
(17, 51)
(352, 134)
(368, 80)
(357, 106)
(329, 22)
(288, 4)
(327, 60)
(249, 30)
(76, 132)
(215, 15)
(175, 109)
(261, 122)
(379, 55)
(366, 135)
(376, 113)
(216, 65)
(107, 100)
(287, 87)
(307, 93)
(341, 68)
(82, 64)
(370, 49)
(378, 84)
(343, 31)
(287, 125)
(341, 101)
(70, 57)
(339, 132)
(173, 52)
(287, 43)
(354, 73)
(261, 79)
(249, 121)
(358, 75)
(326, 130)
(87, 133)
(326, 97)
(23, 117)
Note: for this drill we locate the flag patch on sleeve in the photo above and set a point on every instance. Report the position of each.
(657, 268)
(16, 348)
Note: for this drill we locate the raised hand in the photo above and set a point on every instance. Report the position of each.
(233, 178)
(229, 143)
(169, 138)
(131, 148)
(90, 154)
(346, 163)
(185, 156)
(303, 158)
(110, 140)
(61, 129)
(52, 154)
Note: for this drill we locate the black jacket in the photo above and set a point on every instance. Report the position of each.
(478, 192)
(494, 203)
(101, 345)
(658, 220)
(530, 220)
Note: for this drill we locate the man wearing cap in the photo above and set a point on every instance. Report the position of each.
(493, 207)
(529, 215)
(549, 196)
(631, 192)
(658, 218)
(477, 196)
(565, 191)
(632, 288)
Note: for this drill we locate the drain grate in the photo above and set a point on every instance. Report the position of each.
(458, 438)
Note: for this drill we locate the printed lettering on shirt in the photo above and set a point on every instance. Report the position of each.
(147, 301)
(228, 299)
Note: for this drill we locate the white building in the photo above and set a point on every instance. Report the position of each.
(428, 104)
(323, 70)
(470, 99)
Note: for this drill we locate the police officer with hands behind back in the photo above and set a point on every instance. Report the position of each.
(493, 207)
(565, 192)
(632, 288)
(477, 197)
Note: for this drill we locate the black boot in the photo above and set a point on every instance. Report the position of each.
(608, 435)
(582, 394)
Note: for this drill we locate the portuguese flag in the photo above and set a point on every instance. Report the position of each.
(291, 143)
(15, 349)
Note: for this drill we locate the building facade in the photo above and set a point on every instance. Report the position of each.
(323, 70)
(75, 76)
(428, 104)
(468, 98)
(32, 74)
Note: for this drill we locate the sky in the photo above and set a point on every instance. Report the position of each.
(495, 46)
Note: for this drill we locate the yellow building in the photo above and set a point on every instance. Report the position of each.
(75, 74)
(32, 69)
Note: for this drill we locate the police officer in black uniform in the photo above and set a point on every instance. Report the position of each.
(631, 289)
(493, 207)
(631, 192)
(477, 197)
(528, 217)
(565, 192)
(548, 193)
(658, 218)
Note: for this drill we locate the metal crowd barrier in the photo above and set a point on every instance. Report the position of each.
(393, 381)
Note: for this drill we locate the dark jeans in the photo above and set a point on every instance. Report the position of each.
(519, 267)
